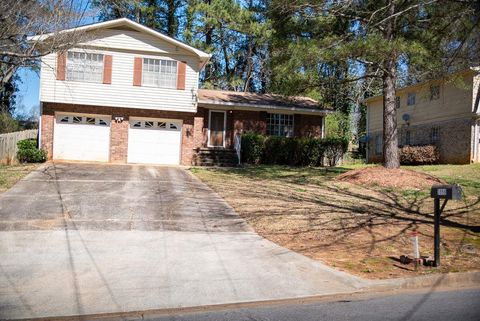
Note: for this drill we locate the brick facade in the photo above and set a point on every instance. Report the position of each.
(119, 131)
(194, 129)
(454, 140)
(308, 125)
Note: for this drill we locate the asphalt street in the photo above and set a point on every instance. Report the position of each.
(462, 305)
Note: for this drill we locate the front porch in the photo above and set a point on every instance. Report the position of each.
(215, 156)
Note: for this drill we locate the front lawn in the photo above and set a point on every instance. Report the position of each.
(360, 229)
(10, 174)
(468, 176)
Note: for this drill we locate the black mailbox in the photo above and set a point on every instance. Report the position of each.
(448, 192)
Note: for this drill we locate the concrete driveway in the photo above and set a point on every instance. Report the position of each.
(89, 238)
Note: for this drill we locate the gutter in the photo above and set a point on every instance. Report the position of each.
(252, 107)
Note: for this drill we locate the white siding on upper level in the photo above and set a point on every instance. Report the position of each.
(131, 40)
(124, 46)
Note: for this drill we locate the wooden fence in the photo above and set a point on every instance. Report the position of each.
(8, 144)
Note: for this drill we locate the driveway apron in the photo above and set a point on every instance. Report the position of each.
(79, 239)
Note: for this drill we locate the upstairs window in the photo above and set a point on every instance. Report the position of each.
(86, 67)
(159, 73)
(280, 125)
(434, 92)
(411, 99)
(397, 102)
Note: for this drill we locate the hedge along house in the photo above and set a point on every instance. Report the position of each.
(129, 94)
(443, 112)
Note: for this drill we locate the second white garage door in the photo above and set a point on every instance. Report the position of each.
(155, 141)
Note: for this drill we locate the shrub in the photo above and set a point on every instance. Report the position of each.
(252, 148)
(29, 153)
(310, 152)
(279, 150)
(292, 151)
(334, 148)
(419, 155)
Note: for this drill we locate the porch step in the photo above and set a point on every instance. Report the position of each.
(216, 157)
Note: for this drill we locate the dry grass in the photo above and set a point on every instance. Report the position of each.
(360, 229)
(10, 174)
(389, 178)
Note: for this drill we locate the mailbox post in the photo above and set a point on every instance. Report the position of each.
(445, 192)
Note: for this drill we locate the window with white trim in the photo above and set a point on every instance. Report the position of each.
(83, 66)
(151, 124)
(159, 73)
(411, 99)
(280, 125)
(85, 120)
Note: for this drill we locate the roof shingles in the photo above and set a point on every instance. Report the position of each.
(208, 96)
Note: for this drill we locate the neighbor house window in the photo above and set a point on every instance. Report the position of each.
(378, 144)
(434, 92)
(434, 135)
(397, 102)
(411, 99)
(159, 73)
(280, 125)
(87, 67)
(408, 138)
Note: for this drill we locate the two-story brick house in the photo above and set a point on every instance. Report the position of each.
(444, 112)
(128, 94)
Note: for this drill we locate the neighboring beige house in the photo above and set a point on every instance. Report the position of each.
(442, 112)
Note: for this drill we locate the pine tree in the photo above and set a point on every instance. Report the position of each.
(372, 39)
(234, 34)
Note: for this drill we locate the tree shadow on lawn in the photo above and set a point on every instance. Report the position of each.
(321, 215)
(296, 175)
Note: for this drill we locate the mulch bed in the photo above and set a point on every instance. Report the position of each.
(394, 178)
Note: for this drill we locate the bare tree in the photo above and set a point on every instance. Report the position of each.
(45, 19)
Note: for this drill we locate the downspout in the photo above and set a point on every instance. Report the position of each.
(39, 139)
(367, 143)
(323, 126)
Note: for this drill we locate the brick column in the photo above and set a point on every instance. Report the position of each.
(47, 134)
(46, 130)
(119, 141)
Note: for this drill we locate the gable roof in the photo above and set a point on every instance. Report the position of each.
(259, 101)
(203, 56)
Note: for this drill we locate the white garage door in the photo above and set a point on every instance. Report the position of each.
(154, 141)
(81, 137)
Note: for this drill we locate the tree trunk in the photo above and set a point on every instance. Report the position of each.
(208, 42)
(171, 18)
(391, 157)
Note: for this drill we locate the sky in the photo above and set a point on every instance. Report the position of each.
(28, 91)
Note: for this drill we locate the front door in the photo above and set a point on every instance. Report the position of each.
(217, 129)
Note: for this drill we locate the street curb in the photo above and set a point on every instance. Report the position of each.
(447, 281)
(427, 281)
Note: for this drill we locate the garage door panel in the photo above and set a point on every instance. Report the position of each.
(88, 140)
(154, 142)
